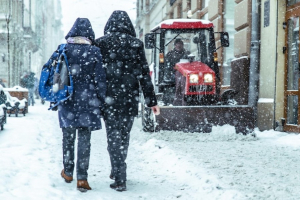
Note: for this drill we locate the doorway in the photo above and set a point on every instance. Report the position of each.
(292, 70)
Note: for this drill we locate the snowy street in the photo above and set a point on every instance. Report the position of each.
(164, 165)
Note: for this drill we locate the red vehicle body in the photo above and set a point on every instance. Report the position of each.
(200, 87)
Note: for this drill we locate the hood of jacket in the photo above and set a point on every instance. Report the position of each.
(119, 21)
(82, 27)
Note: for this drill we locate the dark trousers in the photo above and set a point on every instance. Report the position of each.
(118, 133)
(83, 151)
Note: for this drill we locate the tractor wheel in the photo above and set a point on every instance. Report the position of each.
(147, 119)
(227, 98)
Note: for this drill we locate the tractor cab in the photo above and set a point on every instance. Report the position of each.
(185, 61)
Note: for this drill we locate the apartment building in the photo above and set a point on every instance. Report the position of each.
(29, 31)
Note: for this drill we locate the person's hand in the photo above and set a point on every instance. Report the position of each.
(156, 110)
(52, 104)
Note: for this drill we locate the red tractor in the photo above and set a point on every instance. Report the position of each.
(187, 81)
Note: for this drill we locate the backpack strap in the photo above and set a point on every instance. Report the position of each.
(70, 88)
(61, 48)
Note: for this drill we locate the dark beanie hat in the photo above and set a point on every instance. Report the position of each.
(178, 41)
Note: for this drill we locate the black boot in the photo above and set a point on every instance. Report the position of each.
(119, 186)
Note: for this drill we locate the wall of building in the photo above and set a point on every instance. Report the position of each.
(280, 65)
(34, 34)
(270, 65)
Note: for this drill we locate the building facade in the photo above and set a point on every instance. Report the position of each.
(29, 31)
(262, 62)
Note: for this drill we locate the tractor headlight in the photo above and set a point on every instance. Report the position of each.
(194, 78)
(208, 78)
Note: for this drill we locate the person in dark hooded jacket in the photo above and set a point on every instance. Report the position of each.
(82, 111)
(126, 69)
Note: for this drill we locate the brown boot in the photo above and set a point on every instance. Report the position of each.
(83, 186)
(68, 179)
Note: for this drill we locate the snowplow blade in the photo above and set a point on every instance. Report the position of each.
(201, 118)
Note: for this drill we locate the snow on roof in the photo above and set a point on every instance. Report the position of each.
(183, 23)
(16, 88)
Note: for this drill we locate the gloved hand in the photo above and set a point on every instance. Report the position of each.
(52, 104)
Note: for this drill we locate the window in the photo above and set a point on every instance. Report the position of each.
(172, 2)
(292, 2)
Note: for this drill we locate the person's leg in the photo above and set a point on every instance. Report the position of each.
(31, 92)
(83, 153)
(125, 127)
(29, 99)
(110, 126)
(118, 130)
(69, 135)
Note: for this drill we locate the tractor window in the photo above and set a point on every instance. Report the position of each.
(182, 44)
(156, 57)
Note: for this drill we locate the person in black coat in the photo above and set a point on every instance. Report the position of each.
(82, 111)
(126, 69)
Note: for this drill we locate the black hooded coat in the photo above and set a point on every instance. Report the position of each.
(126, 67)
(83, 109)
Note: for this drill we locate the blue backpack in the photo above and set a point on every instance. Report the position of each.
(56, 83)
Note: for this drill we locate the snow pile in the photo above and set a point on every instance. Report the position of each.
(219, 133)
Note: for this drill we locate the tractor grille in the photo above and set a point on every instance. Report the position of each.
(201, 88)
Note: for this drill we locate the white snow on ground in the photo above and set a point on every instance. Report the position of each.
(164, 165)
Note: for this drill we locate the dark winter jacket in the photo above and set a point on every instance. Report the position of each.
(126, 67)
(172, 58)
(83, 109)
(28, 80)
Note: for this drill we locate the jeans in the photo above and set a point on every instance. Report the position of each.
(83, 151)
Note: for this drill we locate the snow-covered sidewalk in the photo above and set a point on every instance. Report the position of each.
(164, 165)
